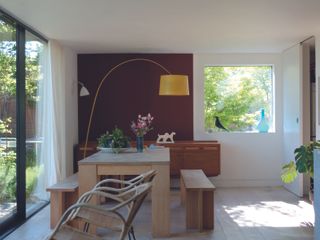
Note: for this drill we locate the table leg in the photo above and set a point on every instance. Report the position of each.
(87, 178)
(161, 202)
(208, 210)
(182, 192)
(194, 209)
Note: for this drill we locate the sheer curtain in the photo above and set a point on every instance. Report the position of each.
(50, 114)
(58, 109)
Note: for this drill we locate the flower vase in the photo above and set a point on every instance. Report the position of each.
(263, 125)
(140, 143)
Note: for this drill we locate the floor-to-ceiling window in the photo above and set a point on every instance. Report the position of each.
(35, 64)
(22, 73)
(8, 120)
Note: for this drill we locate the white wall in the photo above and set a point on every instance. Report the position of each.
(247, 159)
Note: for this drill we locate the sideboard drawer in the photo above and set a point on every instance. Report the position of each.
(176, 161)
(207, 160)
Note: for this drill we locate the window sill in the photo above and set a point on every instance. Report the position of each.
(245, 132)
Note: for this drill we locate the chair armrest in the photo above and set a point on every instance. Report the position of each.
(123, 198)
(111, 180)
(115, 190)
(88, 195)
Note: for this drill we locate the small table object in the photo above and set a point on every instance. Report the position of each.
(197, 194)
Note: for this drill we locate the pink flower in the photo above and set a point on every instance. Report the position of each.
(143, 125)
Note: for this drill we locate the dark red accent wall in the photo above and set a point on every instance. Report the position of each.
(132, 89)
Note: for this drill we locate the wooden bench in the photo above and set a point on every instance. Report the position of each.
(62, 195)
(197, 195)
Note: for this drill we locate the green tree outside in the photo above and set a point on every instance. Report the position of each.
(7, 119)
(236, 94)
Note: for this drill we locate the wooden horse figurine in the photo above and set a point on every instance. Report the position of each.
(166, 138)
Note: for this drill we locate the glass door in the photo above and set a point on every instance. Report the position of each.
(22, 167)
(8, 120)
(36, 169)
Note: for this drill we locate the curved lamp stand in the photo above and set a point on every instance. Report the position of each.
(169, 85)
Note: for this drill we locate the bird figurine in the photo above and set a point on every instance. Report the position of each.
(218, 124)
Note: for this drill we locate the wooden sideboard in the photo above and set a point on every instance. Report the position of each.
(203, 155)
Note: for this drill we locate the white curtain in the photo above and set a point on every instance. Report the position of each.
(50, 118)
(58, 96)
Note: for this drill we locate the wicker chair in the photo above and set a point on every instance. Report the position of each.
(111, 218)
(101, 186)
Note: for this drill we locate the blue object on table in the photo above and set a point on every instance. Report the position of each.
(153, 147)
(263, 125)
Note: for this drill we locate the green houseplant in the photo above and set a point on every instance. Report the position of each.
(303, 163)
(105, 140)
(116, 140)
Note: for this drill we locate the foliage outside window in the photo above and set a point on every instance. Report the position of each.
(236, 95)
(8, 66)
(7, 122)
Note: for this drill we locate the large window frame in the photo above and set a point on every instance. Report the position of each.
(271, 120)
(201, 60)
(21, 216)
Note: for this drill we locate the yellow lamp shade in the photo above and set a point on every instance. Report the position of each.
(174, 85)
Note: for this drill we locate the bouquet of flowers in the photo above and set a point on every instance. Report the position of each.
(142, 126)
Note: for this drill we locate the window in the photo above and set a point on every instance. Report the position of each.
(236, 96)
(22, 74)
(8, 120)
(35, 65)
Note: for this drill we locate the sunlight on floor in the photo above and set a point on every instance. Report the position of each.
(272, 214)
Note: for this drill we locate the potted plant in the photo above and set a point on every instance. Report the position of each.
(105, 140)
(303, 163)
(116, 140)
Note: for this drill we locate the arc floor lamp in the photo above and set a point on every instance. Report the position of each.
(170, 85)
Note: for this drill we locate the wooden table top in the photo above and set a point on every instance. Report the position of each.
(130, 157)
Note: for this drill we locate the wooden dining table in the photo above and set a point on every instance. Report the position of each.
(131, 162)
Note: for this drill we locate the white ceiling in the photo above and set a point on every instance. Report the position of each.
(179, 26)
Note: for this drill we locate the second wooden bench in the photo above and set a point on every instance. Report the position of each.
(197, 194)
(62, 195)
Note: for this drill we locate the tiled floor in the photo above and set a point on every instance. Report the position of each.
(240, 214)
